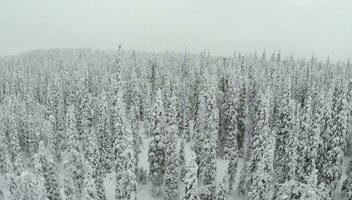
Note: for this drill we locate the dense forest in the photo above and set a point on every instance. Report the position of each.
(84, 124)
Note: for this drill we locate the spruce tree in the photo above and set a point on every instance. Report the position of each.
(284, 131)
(5, 162)
(182, 160)
(191, 191)
(46, 167)
(105, 139)
(335, 139)
(261, 156)
(171, 169)
(90, 190)
(304, 136)
(156, 151)
(29, 187)
(126, 181)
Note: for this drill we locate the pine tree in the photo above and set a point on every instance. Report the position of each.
(15, 149)
(191, 181)
(349, 120)
(133, 118)
(231, 131)
(5, 162)
(242, 109)
(304, 136)
(94, 158)
(46, 167)
(90, 190)
(182, 160)
(335, 139)
(126, 181)
(284, 131)
(315, 142)
(261, 156)
(74, 171)
(87, 120)
(156, 151)
(29, 187)
(105, 138)
(171, 169)
(231, 150)
(72, 137)
(206, 144)
(171, 154)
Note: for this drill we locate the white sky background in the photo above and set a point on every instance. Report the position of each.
(298, 27)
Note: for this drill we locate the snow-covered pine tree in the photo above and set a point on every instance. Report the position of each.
(260, 162)
(231, 151)
(5, 161)
(59, 113)
(156, 151)
(207, 154)
(335, 139)
(349, 120)
(93, 156)
(105, 139)
(29, 187)
(172, 172)
(86, 119)
(291, 188)
(15, 149)
(304, 136)
(73, 161)
(315, 142)
(284, 131)
(133, 118)
(30, 136)
(89, 190)
(45, 166)
(242, 108)
(182, 160)
(73, 175)
(191, 191)
(171, 168)
(126, 180)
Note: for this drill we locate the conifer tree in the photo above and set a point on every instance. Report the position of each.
(126, 181)
(207, 145)
(105, 139)
(335, 139)
(73, 164)
(285, 130)
(46, 167)
(14, 147)
(182, 160)
(191, 191)
(261, 156)
(171, 168)
(29, 187)
(93, 156)
(156, 151)
(90, 190)
(304, 135)
(5, 162)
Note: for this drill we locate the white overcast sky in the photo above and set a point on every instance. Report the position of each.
(298, 27)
